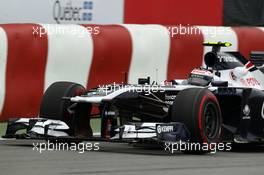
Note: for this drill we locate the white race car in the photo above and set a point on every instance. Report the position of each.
(222, 102)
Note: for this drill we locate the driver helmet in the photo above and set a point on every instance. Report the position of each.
(200, 77)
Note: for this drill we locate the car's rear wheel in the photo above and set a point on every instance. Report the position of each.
(54, 107)
(199, 110)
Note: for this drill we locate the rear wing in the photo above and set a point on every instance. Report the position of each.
(257, 58)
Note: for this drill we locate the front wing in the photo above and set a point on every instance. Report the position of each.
(41, 128)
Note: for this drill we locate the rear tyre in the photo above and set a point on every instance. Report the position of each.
(199, 110)
(54, 107)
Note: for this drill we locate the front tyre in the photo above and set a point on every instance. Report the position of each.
(54, 107)
(199, 110)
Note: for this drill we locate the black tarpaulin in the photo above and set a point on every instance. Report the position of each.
(244, 12)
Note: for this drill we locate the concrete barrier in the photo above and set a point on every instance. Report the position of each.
(32, 56)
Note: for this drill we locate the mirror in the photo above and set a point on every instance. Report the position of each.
(239, 72)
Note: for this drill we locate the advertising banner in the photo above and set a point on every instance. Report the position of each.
(62, 11)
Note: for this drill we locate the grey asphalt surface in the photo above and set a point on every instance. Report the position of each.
(18, 157)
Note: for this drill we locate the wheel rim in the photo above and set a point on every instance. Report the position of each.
(211, 124)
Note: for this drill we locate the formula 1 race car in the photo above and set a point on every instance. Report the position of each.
(222, 102)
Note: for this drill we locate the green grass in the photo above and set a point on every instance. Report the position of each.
(95, 124)
(3, 128)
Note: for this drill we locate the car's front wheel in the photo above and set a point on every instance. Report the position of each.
(199, 110)
(54, 107)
